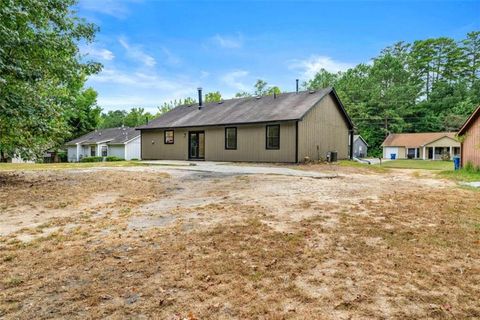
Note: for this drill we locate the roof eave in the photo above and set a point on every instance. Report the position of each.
(470, 119)
(347, 117)
(220, 124)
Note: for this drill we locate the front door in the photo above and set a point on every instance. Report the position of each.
(196, 145)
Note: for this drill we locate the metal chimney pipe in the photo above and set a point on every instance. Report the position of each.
(200, 102)
(296, 80)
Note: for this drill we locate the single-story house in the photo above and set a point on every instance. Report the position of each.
(285, 127)
(360, 147)
(425, 145)
(470, 133)
(122, 142)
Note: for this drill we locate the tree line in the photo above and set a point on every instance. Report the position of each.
(427, 85)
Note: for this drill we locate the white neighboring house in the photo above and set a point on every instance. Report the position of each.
(122, 142)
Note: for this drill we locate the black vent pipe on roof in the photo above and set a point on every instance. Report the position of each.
(296, 80)
(200, 102)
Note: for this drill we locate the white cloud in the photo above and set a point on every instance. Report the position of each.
(309, 67)
(170, 58)
(115, 8)
(97, 53)
(126, 89)
(228, 42)
(233, 79)
(136, 53)
(135, 79)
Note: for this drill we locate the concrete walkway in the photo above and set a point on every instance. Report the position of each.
(475, 184)
(229, 167)
(376, 160)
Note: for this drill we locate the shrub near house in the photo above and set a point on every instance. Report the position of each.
(100, 159)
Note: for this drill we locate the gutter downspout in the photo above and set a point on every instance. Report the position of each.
(351, 144)
(296, 141)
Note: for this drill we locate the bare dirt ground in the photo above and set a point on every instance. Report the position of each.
(152, 242)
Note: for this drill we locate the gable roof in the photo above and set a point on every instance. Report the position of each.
(469, 121)
(414, 140)
(284, 107)
(357, 136)
(110, 136)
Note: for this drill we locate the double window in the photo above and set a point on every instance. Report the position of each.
(273, 137)
(168, 137)
(231, 138)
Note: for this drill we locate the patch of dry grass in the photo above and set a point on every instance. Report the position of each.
(410, 254)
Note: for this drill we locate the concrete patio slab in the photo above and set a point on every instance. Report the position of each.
(234, 168)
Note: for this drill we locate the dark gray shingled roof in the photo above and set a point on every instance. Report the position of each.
(286, 106)
(111, 136)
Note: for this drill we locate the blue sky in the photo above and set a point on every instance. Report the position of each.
(155, 51)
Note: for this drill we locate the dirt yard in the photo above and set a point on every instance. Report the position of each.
(154, 242)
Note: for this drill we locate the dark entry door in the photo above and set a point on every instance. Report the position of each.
(196, 145)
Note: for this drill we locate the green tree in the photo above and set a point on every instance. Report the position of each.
(39, 62)
(427, 85)
(85, 115)
(242, 94)
(261, 88)
(167, 106)
(213, 97)
(322, 79)
(113, 119)
(274, 90)
(471, 56)
(137, 117)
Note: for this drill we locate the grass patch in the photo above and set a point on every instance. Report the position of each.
(418, 164)
(66, 165)
(13, 281)
(461, 175)
(354, 164)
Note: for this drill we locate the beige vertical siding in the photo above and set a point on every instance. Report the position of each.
(250, 144)
(323, 127)
(444, 142)
(471, 144)
(153, 147)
